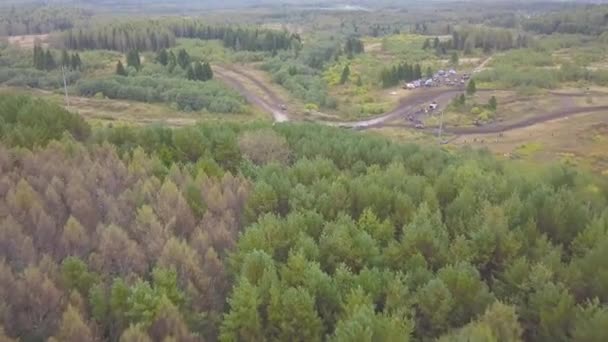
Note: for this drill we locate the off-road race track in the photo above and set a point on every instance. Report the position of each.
(270, 102)
(271, 105)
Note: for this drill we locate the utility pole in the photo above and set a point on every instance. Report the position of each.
(65, 88)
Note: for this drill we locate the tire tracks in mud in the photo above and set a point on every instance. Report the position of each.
(270, 107)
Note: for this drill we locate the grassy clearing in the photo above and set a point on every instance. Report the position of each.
(528, 149)
(106, 111)
(579, 140)
(214, 51)
(401, 135)
(402, 47)
(99, 63)
(362, 95)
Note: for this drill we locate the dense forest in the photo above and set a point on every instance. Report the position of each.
(155, 35)
(186, 95)
(123, 36)
(291, 232)
(467, 39)
(24, 20)
(591, 20)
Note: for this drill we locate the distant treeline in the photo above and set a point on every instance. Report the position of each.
(469, 38)
(592, 20)
(26, 20)
(236, 38)
(149, 35)
(157, 35)
(44, 60)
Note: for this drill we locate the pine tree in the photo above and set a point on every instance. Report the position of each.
(76, 62)
(199, 73)
(39, 58)
(417, 72)
(65, 59)
(471, 88)
(163, 57)
(183, 59)
(120, 69)
(492, 103)
(243, 321)
(345, 74)
(359, 82)
(49, 61)
(172, 63)
(454, 58)
(208, 72)
(190, 73)
(133, 59)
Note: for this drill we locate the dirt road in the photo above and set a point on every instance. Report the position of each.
(501, 127)
(272, 107)
(407, 107)
(481, 67)
(271, 103)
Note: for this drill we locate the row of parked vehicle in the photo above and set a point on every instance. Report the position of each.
(448, 78)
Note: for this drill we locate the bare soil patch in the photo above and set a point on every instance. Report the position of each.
(28, 41)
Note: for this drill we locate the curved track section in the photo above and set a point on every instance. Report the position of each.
(272, 104)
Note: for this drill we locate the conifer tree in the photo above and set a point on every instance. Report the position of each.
(199, 74)
(65, 59)
(207, 71)
(39, 58)
(76, 62)
(163, 57)
(190, 73)
(471, 88)
(492, 103)
(49, 61)
(133, 60)
(183, 59)
(345, 74)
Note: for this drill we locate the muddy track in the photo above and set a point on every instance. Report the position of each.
(274, 98)
(500, 128)
(272, 108)
(406, 107)
(578, 94)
